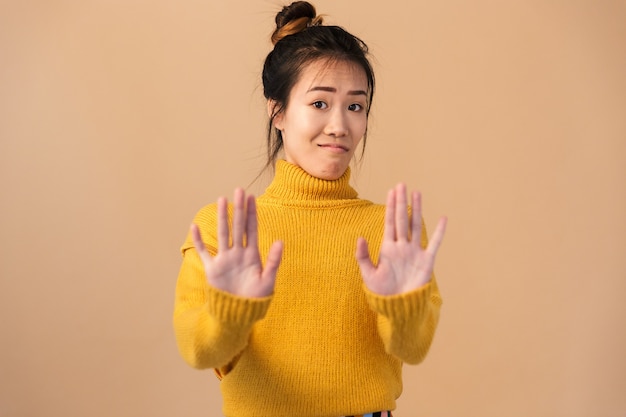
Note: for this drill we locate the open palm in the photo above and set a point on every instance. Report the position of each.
(237, 267)
(403, 265)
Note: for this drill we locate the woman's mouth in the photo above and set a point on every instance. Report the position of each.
(334, 147)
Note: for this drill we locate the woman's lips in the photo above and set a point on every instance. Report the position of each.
(334, 147)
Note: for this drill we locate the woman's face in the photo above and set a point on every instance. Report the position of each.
(325, 118)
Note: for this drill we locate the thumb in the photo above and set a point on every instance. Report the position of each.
(363, 258)
(272, 263)
(196, 237)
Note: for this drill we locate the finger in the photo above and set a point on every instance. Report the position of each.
(272, 262)
(390, 208)
(222, 225)
(401, 215)
(252, 223)
(363, 258)
(197, 238)
(239, 217)
(416, 218)
(437, 237)
(198, 243)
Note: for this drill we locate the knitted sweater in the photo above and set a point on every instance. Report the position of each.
(322, 344)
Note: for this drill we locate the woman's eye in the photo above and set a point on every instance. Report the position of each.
(355, 107)
(320, 105)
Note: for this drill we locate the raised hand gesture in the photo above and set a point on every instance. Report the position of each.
(237, 267)
(403, 265)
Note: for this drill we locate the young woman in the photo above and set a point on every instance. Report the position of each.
(307, 300)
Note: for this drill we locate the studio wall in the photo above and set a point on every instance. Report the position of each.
(120, 119)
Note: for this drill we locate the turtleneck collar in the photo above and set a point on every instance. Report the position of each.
(292, 183)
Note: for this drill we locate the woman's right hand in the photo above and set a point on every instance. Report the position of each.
(237, 268)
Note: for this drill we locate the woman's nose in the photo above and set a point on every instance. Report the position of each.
(337, 124)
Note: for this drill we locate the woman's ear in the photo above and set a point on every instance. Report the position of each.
(275, 113)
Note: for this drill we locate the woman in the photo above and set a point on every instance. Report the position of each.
(326, 333)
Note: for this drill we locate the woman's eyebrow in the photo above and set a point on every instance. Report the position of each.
(334, 90)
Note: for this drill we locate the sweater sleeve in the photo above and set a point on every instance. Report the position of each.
(407, 322)
(211, 326)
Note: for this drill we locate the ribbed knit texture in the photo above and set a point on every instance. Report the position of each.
(322, 345)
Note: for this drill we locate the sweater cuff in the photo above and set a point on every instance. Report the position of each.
(401, 307)
(240, 311)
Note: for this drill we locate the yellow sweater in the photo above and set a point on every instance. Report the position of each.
(322, 344)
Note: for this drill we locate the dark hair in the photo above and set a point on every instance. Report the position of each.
(299, 39)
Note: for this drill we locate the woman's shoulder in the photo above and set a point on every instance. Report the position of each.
(206, 215)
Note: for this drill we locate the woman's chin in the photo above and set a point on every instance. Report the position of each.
(329, 173)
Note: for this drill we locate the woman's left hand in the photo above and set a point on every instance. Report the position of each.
(403, 265)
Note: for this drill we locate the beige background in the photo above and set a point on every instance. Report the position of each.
(119, 119)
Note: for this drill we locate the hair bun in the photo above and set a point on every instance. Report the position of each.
(295, 18)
